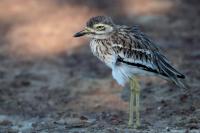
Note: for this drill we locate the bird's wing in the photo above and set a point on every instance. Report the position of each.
(160, 62)
(140, 58)
(133, 46)
(142, 41)
(141, 52)
(153, 62)
(132, 37)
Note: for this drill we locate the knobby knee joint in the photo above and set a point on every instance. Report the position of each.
(134, 85)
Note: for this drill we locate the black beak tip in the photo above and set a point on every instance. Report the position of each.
(79, 34)
(76, 35)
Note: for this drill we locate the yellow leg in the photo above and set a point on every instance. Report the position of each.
(134, 103)
(137, 103)
(131, 103)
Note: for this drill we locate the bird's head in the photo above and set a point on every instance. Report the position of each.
(99, 27)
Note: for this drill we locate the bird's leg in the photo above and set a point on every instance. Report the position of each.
(131, 103)
(137, 102)
(134, 104)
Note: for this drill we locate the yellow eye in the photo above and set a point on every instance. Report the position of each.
(100, 27)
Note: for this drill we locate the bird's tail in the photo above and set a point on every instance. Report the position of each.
(171, 73)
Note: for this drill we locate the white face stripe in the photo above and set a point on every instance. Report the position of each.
(90, 29)
(100, 34)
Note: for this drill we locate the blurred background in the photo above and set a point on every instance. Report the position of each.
(50, 81)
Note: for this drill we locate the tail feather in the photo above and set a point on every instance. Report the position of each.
(171, 73)
(167, 64)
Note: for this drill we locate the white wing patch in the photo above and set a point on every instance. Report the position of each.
(134, 49)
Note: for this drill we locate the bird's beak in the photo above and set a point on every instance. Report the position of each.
(82, 33)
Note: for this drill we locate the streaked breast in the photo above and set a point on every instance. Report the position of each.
(102, 49)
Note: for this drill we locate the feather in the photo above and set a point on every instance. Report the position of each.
(168, 70)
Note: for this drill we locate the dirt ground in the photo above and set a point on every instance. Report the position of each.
(51, 83)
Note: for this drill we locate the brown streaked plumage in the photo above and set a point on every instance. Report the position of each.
(128, 52)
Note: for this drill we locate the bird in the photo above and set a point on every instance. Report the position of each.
(129, 53)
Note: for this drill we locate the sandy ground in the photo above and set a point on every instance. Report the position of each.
(51, 83)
